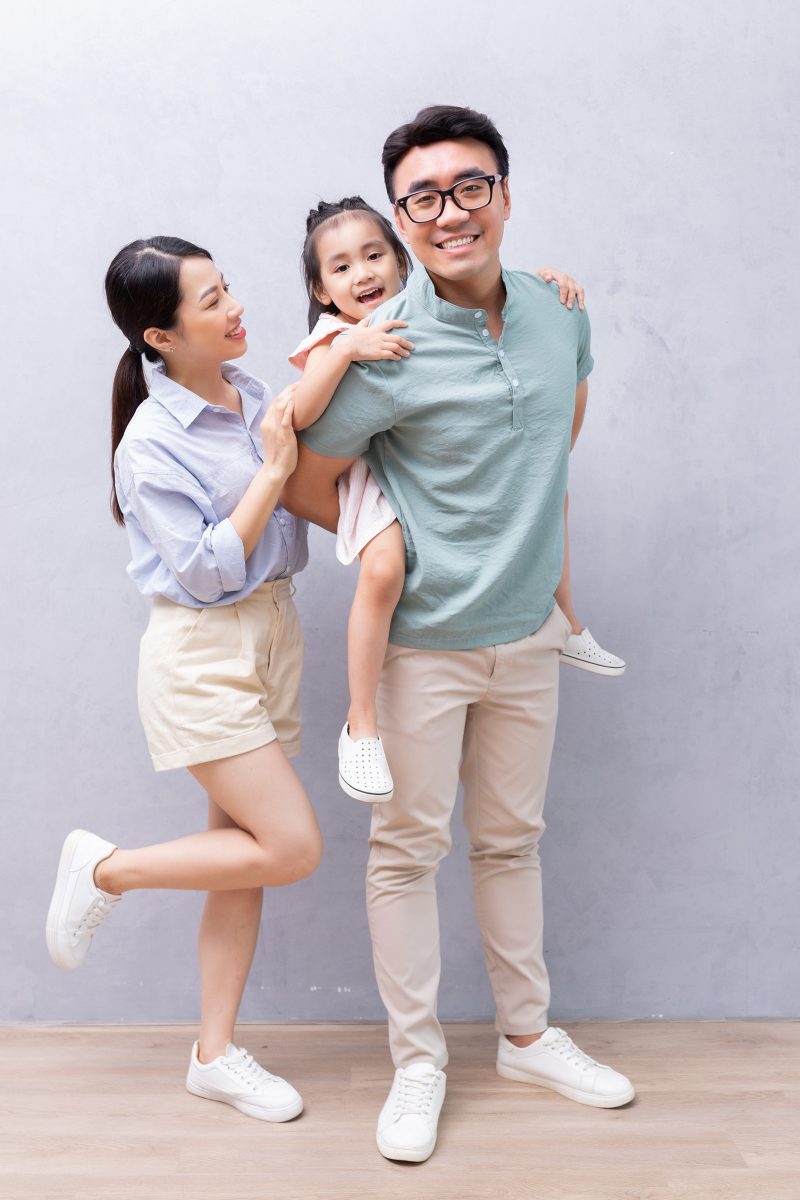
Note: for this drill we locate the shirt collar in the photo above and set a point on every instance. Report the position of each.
(186, 406)
(443, 310)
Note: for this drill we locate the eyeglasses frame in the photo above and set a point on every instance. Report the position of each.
(443, 193)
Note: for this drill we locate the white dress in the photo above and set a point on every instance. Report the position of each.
(363, 509)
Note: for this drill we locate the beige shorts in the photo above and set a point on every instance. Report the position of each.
(214, 682)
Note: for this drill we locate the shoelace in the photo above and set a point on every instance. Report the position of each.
(245, 1067)
(564, 1046)
(414, 1097)
(97, 911)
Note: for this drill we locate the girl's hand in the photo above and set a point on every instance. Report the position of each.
(278, 436)
(568, 288)
(366, 343)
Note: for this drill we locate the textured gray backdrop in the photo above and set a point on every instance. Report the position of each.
(651, 156)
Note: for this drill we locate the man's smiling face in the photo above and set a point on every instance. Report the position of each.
(458, 246)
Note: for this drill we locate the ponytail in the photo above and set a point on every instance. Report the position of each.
(128, 391)
(143, 292)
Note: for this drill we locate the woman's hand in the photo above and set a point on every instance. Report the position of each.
(568, 288)
(278, 436)
(365, 343)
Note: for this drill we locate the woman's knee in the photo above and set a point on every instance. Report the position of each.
(290, 857)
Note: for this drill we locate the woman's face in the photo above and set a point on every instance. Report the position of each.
(208, 328)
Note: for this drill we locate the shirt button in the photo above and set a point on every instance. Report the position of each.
(479, 314)
(502, 353)
(515, 382)
(485, 332)
(281, 520)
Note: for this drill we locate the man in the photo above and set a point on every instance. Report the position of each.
(469, 440)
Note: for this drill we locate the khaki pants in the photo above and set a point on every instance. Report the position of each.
(490, 715)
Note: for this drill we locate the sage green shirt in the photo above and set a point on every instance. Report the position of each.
(469, 440)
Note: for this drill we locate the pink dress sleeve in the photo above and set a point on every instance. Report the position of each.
(327, 324)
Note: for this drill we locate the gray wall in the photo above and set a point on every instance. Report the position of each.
(651, 156)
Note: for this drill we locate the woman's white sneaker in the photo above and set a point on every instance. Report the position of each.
(78, 905)
(363, 770)
(409, 1119)
(554, 1061)
(236, 1078)
(583, 651)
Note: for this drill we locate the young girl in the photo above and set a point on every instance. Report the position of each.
(200, 457)
(352, 262)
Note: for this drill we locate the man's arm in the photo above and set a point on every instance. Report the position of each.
(311, 491)
(362, 406)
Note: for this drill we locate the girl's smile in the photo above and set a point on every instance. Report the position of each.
(358, 268)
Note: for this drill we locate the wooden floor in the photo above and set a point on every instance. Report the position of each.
(102, 1112)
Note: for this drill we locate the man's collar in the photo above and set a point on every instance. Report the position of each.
(186, 406)
(443, 310)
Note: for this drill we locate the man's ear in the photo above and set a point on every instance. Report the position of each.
(397, 214)
(506, 199)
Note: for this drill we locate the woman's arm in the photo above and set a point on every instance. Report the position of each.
(257, 505)
(327, 362)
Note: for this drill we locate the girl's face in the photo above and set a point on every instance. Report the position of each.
(208, 328)
(357, 266)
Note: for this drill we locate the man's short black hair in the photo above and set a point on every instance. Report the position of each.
(440, 123)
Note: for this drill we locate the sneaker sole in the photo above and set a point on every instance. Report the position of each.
(287, 1113)
(595, 668)
(397, 1155)
(563, 1090)
(54, 911)
(367, 797)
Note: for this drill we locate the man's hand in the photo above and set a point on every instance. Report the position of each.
(568, 288)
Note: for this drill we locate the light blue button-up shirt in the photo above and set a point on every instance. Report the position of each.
(180, 470)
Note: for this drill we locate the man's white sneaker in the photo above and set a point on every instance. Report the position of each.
(236, 1078)
(78, 905)
(363, 770)
(583, 651)
(408, 1120)
(554, 1061)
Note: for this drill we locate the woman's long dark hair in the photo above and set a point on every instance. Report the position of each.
(143, 291)
(334, 212)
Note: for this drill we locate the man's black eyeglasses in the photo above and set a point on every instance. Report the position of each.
(469, 194)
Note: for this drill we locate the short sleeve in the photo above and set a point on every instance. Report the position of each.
(362, 406)
(326, 327)
(585, 360)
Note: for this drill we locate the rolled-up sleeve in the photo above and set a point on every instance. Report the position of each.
(207, 558)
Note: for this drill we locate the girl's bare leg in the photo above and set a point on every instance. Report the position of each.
(563, 592)
(380, 582)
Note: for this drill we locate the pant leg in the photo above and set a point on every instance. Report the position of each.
(507, 749)
(422, 706)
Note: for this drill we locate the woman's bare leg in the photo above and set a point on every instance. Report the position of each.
(228, 935)
(274, 838)
(380, 582)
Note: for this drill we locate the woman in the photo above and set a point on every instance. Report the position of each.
(200, 458)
